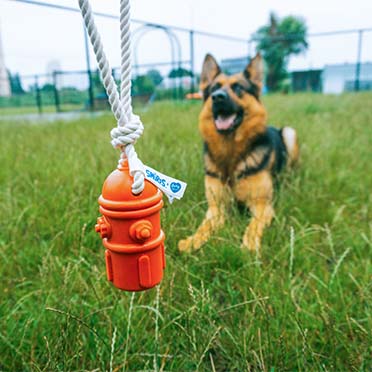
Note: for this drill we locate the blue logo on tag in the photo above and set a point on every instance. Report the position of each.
(155, 177)
(175, 187)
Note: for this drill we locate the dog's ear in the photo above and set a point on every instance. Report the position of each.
(209, 71)
(254, 70)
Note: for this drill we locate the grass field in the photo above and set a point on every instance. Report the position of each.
(34, 110)
(305, 306)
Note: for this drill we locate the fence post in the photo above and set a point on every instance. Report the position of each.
(358, 62)
(38, 96)
(192, 56)
(56, 94)
(249, 50)
(180, 88)
(89, 71)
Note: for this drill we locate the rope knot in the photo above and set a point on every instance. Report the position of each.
(124, 137)
(127, 134)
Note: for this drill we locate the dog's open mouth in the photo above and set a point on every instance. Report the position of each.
(227, 123)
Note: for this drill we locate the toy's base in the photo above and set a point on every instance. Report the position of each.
(136, 271)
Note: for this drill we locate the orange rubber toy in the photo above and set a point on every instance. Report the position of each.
(131, 232)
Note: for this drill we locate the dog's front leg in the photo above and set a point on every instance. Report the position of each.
(256, 192)
(218, 196)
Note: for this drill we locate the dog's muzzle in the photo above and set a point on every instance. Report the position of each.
(226, 113)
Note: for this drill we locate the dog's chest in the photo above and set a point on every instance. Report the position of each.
(225, 153)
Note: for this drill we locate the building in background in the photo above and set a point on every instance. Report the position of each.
(341, 78)
(234, 65)
(4, 78)
(306, 81)
(333, 79)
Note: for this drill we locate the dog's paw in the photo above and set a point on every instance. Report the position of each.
(185, 245)
(251, 243)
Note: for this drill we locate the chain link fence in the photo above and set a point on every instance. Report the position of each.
(177, 75)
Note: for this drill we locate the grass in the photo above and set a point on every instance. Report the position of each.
(306, 306)
(34, 110)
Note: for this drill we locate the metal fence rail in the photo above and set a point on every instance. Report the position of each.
(82, 90)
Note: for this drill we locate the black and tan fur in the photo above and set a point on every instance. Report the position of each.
(239, 161)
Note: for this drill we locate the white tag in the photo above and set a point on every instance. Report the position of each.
(135, 165)
(173, 188)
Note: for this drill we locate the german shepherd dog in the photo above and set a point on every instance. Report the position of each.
(241, 153)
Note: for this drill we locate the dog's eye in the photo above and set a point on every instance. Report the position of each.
(237, 89)
(215, 87)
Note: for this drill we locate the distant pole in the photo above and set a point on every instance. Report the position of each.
(5, 88)
(56, 95)
(89, 71)
(38, 96)
(358, 63)
(192, 56)
(180, 88)
(249, 49)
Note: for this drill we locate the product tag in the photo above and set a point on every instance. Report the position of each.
(135, 165)
(173, 188)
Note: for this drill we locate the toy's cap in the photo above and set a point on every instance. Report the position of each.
(117, 192)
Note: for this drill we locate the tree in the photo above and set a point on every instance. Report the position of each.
(179, 72)
(155, 76)
(142, 85)
(48, 88)
(15, 83)
(277, 41)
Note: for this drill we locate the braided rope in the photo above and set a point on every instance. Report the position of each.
(125, 91)
(125, 77)
(129, 127)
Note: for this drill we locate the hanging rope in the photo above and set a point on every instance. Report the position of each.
(129, 127)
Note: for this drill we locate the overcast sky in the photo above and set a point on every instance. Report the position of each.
(33, 36)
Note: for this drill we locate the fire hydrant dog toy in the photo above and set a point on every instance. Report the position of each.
(131, 199)
(131, 233)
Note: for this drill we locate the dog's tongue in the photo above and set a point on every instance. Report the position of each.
(224, 122)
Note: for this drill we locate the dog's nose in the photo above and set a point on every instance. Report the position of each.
(219, 95)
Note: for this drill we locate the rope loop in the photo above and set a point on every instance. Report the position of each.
(129, 127)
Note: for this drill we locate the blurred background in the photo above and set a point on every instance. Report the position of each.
(47, 64)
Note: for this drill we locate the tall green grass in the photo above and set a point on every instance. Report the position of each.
(305, 306)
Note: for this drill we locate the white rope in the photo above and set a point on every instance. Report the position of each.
(129, 127)
(125, 87)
